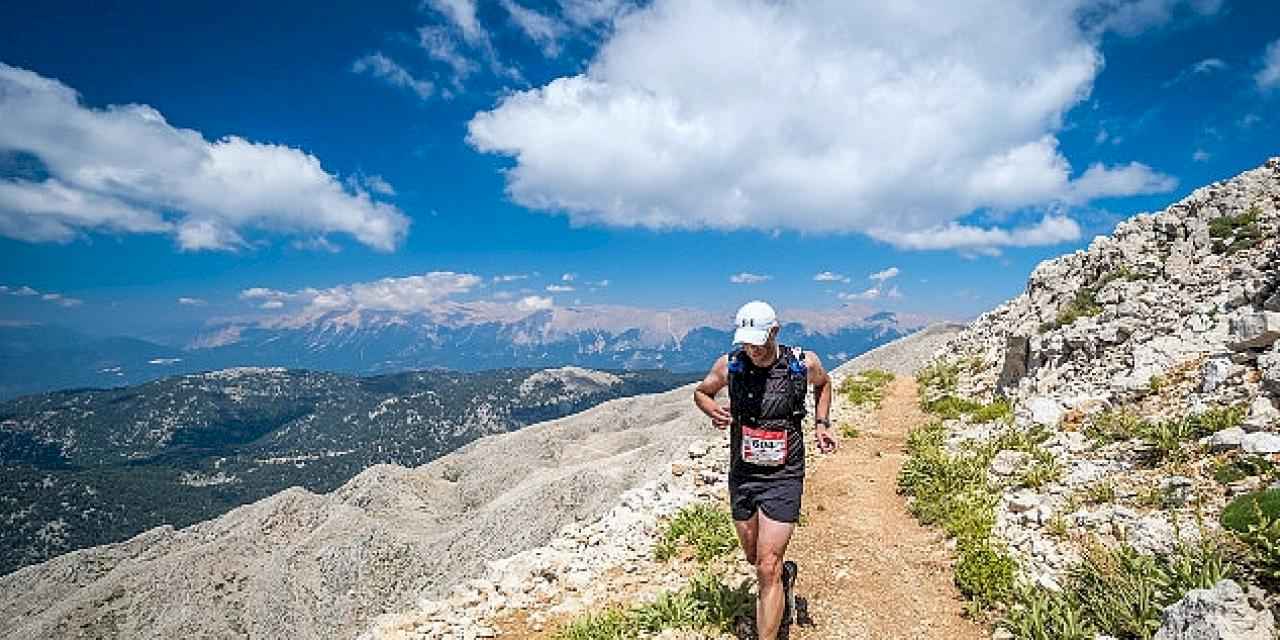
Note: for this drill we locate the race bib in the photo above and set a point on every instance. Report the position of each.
(765, 448)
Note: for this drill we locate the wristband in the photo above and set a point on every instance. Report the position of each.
(822, 421)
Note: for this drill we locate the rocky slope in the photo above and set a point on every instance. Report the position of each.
(1151, 362)
(306, 565)
(92, 467)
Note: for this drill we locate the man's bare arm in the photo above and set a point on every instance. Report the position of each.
(704, 395)
(821, 400)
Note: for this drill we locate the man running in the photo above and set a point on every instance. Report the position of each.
(767, 383)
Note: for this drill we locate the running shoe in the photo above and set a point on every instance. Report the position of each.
(789, 571)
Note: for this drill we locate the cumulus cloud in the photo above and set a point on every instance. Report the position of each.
(534, 303)
(1052, 229)
(827, 276)
(748, 278)
(1268, 78)
(886, 274)
(569, 277)
(389, 71)
(869, 294)
(559, 288)
(677, 122)
(191, 302)
(125, 169)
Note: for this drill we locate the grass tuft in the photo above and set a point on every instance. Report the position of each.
(705, 528)
(706, 604)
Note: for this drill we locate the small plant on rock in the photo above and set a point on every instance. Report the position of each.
(1115, 425)
(1255, 520)
(707, 529)
(1043, 470)
(941, 376)
(866, 387)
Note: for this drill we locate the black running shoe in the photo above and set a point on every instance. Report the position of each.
(789, 571)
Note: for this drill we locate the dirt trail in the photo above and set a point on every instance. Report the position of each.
(868, 569)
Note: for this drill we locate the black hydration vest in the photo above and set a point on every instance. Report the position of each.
(769, 403)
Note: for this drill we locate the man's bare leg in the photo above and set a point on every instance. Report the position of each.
(772, 538)
(747, 536)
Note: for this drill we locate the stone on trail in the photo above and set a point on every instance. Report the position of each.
(1255, 330)
(1227, 439)
(1045, 411)
(1261, 443)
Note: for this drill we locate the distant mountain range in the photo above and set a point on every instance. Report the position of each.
(90, 467)
(457, 337)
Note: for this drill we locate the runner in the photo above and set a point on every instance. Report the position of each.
(767, 384)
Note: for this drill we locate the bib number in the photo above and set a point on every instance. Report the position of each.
(764, 448)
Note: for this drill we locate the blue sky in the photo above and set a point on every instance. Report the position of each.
(692, 155)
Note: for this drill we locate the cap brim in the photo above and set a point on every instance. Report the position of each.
(750, 335)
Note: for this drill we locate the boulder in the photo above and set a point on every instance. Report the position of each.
(1261, 442)
(1256, 330)
(1262, 414)
(1214, 372)
(1270, 366)
(1227, 439)
(1015, 362)
(1220, 613)
(1045, 411)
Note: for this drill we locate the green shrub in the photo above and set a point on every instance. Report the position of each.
(1229, 471)
(1167, 437)
(1250, 510)
(1118, 592)
(706, 604)
(939, 377)
(1000, 409)
(1219, 418)
(1100, 493)
(866, 387)
(1043, 470)
(849, 431)
(985, 572)
(709, 530)
(1235, 233)
(1115, 425)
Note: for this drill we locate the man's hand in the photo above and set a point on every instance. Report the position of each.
(827, 442)
(720, 417)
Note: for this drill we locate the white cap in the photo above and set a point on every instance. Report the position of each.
(754, 320)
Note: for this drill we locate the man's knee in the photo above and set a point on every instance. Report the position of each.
(768, 568)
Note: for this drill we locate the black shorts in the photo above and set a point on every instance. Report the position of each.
(779, 499)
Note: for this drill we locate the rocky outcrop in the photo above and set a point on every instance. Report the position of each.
(1170, 317)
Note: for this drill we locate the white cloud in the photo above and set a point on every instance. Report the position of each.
(462, 13)
(379, 185)
(1050, 230)
(318, 243)
(191, 302)
(1132, 17)
(559, 288)
(887, 124)
(510, 277)
(827, 276)
(1208, 65)
(1268, 77)
(409, 293)
(1131, 179)
(1200, 155)
(534, 303)
(23, 291)
(61, 300)
(388, 70)
(884, 275)
(569, 277)
(544, 30)
(125, 169)
(748, 278)
(869, 294)
(599, 283)
(589, 13)
(440, 46)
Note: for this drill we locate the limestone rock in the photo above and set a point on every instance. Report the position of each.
(1260, 442)
(1227, 439)
(1255, 330)
(1220, 613)
(1045, 411)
